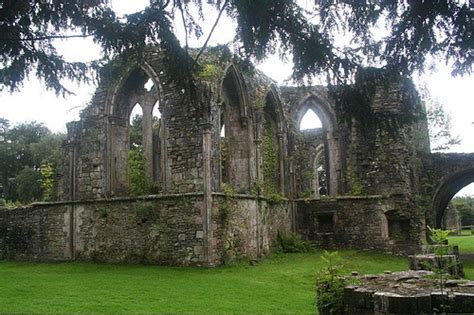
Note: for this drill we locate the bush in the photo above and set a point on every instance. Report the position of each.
(330, 286)
(292, 243)
(138, 181)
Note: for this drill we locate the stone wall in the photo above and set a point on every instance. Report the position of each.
(247, 227)
(35, 233)
(389, 224)
(158, 229)
(383, 145)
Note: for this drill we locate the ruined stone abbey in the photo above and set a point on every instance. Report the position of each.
(230, 168)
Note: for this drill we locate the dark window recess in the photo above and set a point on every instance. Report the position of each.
(325, 223)
(398, 229)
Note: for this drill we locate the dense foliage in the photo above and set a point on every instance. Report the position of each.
(138, 182)
(465, 207)
(416, 29)
(23, 149)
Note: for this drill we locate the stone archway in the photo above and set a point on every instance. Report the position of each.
(235, 168)
(330, 138)
(447, 190)
(125, 94)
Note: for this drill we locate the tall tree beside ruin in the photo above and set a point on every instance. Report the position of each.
(417, 29)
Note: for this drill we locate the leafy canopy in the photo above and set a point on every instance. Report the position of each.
(416, 29)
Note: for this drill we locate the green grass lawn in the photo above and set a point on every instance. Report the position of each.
(281, 283)
(466, 246)
(465, 243)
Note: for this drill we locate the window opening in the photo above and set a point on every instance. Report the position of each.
(310, 121)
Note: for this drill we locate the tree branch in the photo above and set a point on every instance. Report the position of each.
(180, 7)
(210, 34)
(28, 39)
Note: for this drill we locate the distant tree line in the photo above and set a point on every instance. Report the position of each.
(30, 155)
(465, 208)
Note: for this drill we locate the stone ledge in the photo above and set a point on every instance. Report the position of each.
(348, 197)
(103, 200)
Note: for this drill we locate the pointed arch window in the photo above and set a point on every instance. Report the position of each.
(310, 121)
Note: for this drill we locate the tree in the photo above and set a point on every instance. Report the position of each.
(28, 185)
(47, 150)
(136, 132)
(418, 29)
(4, 125)
(439, 123)
(465, 207)
(25, 148)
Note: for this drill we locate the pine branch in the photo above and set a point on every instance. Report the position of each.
(49, 37)
(209, 36)
(180, 7)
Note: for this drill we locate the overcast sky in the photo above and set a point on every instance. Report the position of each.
(33, 102)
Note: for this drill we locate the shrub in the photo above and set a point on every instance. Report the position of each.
(138, 181)
(292, 243)
(330, 286)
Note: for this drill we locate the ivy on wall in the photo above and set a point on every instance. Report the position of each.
(224, 156)
(356, 100)
(47, 181)
(270, 160)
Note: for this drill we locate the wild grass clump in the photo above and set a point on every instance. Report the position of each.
(293, 243)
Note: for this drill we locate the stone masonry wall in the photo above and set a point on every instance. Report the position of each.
(157, 229)
(35, 233)
(162, 230)
(368, 223)
(166, 229)
(246, 226)
(381, 151)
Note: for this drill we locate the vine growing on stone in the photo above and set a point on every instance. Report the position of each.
(47, 182)
(270, 157)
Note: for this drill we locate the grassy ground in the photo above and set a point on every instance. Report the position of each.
(466, 247)
(280, 283)
(465, 243)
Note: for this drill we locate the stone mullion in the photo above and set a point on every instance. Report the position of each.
(148, 138)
